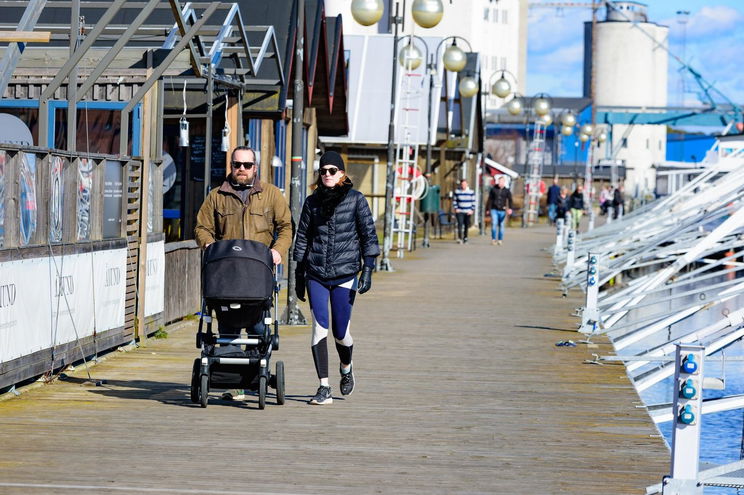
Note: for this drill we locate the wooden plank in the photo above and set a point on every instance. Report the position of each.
(25, 36)
(147, 138)
(460, 389)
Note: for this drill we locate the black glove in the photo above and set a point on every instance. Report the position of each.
(365, 280)
(300, 282)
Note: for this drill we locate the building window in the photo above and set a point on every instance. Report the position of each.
(504, 18)
(495, 17)
(648, 144)
(503, 63)
(625, 143)
(485, 13)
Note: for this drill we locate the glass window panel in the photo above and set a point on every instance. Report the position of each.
(84, 191)
(113, 190)
(27, 182)
(56, 205)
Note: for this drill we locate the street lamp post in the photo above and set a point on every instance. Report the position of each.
(292, 314)
(387, 236)
(540, 109)
(454, 60)
(501, 88)
(593, 136)
(427, 14)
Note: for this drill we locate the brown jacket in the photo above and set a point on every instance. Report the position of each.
(223, 215)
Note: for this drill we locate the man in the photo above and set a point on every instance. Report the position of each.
(244, 207)
(554, 192)
(464, 206)
(500, 204)
(576, 207)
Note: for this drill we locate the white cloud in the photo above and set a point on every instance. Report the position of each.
(549, 29)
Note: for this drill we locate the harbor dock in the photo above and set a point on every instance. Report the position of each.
(460, 389)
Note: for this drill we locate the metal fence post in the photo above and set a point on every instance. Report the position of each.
(590, 314)
(687, 418)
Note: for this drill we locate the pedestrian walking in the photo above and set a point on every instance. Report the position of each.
(464, 206)
(618, 201)
(336, 239)
(576, 207)
(553, 192)
(500, 205)
(605, 199)
(245, 207)
(562, 211)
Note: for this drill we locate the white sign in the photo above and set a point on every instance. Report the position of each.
(155, 278)
(50, 301)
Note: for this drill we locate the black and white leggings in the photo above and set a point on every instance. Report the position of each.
(341, 298)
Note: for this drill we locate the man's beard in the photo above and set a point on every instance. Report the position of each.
(243, 180)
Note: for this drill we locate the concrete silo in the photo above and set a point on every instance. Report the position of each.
(630, 71)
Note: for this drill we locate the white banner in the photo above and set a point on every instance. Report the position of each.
(110, 284)
(155, 281)
(43, 301)
(25, 311)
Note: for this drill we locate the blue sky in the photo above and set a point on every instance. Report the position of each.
(715, 43)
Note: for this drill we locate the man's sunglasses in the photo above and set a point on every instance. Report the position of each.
(328, 171)
(245, 165)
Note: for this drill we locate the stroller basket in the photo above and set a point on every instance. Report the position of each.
(238, 270)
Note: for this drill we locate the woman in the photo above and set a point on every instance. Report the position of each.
(336, 233)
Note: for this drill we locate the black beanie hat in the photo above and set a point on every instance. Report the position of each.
(332, 158)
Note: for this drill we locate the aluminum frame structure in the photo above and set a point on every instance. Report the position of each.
(211, 41)
(672, 261)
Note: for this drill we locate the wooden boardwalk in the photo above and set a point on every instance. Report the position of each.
(460, 390)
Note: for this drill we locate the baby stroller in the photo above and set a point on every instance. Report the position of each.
(239, 286)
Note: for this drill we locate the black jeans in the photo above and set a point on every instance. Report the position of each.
(463, 224)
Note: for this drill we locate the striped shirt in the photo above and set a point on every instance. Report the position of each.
(464, 200)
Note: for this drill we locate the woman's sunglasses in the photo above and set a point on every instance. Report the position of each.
(328, 171)
(245, 165)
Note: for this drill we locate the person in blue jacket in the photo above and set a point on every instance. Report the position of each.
(336, 239)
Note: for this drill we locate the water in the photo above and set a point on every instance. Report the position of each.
(721, 434)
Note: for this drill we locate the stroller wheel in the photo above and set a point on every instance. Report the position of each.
(262, 383)
(279, 379)
(195, 382)
(204, 390)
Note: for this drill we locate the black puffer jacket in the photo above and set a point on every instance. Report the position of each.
(333, 247)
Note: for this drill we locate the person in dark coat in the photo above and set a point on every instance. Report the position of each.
(561, 206)
(336, 239)
(618, 201)
(499, 204)
(576, 206)
(554, 192)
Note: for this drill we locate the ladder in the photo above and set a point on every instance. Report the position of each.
(407, 172)
(535, 158)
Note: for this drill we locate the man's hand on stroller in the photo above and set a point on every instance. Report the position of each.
(365, 280)
(300, 282)
(277, 257)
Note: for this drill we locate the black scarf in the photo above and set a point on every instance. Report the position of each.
(330, 197)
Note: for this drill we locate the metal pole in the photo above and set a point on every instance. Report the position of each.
(72, 81)
(387, 241)
(208, 132)
(427, 216)
(292, 314)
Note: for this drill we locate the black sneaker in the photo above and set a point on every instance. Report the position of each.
(347, 382)
(322, 396)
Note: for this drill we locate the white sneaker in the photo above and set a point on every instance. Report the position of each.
(499, 243)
